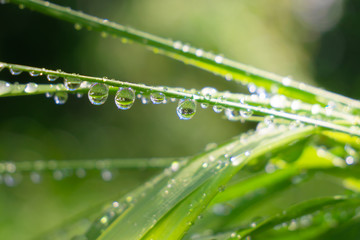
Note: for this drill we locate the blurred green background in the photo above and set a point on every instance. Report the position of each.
(314, 41)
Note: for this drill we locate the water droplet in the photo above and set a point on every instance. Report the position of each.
(31, 88)
(219, 59)
(106, 175)
(204, 105)
(246, 113)
(296, 105)
(124, 98)
(286, 81)
(48, 95)
(315, 109)
(349, 160)
(186, 109)
(80, 173)
(98, 93)
(58, 175)
(199, 52)
(232, 114)
(77, 26)
(269, 120)
(235, 161)
(60, 97)
(157, 98)
(1, 65)
(15, 71)
(175, 166)
(79, 95)
(72, 84)
(278, 101)
(186, 48)
(34, 74)
(252, 88)
(172, 99)
(228, 77)
(177, 45)
(5, 87)
(51, 78)
(218, 108)
(145, 100)
(205, 165)
(35, 177)
(208, 92)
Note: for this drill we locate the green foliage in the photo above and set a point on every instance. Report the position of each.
(302, 131)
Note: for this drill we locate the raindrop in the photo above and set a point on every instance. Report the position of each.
(72, 84)
(48, 95)
(51, 78)
(157, 98)
(218, 108)
(219, 59)
(35, 177)
(124, 98)
(278, 101)
(204, 105)
(34, 74)
(252, 88)
(98, 93)
(60, 97)
(186, 109)
(77, 26)
(175, 166)
(208, 92)
(106, 175)
(5, 87)
(31, 88)
(15, 71)
(246, 113)
(315, 109)
(231, 114)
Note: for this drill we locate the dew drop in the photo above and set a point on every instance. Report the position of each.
(204, 105)
(246, 113)
(14, 71)
(219, 59)
(296, 105)
(98, 93)
(186, 109)
(77, 26)
(31, 88)
(48, 95)
(80, 173)
(218, 108)
(35, 177)
(124, 98)
(278, 101)
(157, 98)
(286, 81)
(72, 84)
(175, 166)
(51, 78)
(231, 114)
(205, 165)
(5, 87)
(177, 45)
(58, 175)
(145, 100)
(208, 92)
(79, 95)
(252, 88)
(315, 109)
(60, 97)
(106, 175)
(34, 74)
(199, 52)
(1, 65)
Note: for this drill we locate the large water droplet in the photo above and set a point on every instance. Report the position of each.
(98, 93)
(218, 108)
(232, 114)
(60, 97)
(31, 88)
(72, 84)
(186, 109)
(157, 98)
(5, 87)
(124, 98)
(51, 78)
(15, 71)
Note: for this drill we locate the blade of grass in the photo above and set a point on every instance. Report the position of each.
(197, 57)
